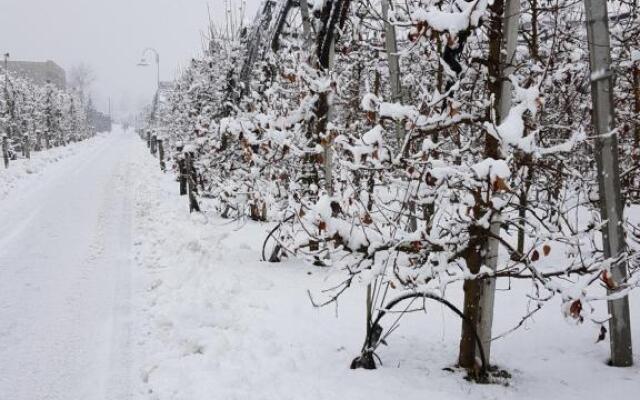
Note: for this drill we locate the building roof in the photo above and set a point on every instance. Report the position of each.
(40, 72)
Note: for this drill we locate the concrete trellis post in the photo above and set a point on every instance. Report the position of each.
(391, 47)
(510, 39)
(611, 206)
(306, 22)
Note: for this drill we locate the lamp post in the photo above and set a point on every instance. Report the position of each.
(6, 70)
(143, 61)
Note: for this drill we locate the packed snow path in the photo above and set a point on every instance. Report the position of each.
(65, 262)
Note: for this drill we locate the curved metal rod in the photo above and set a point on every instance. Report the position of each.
(274, 230)
(439, 299)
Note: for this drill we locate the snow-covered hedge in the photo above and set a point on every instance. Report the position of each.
(35, 117)
(414, 193)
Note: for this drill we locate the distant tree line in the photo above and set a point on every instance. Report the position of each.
(36, 117)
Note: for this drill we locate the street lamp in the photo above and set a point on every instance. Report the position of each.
(143, 61)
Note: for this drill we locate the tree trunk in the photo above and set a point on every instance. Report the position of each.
(254, 43)
(484, 247)
(534, 47)
(282, 20)
(332, 16)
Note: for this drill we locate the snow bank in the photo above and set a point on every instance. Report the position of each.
(20, 170)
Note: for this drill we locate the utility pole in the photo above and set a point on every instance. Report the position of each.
(611, 205)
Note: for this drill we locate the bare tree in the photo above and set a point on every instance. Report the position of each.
(81, 78)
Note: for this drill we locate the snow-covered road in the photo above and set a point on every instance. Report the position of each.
(65, 277)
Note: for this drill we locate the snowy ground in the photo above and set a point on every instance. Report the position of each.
(21, 169)
(109, 289)
(219, 324)
(64, 273)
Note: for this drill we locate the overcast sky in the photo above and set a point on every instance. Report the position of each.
(110, 35)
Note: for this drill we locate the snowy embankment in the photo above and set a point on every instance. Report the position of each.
(25, 168)
(219, 324)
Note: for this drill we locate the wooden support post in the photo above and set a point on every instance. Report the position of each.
(161, 154)
(611, 204)
(5, 150)
(154, 144)
(191, 183)
(182, 168)
(26, 146)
